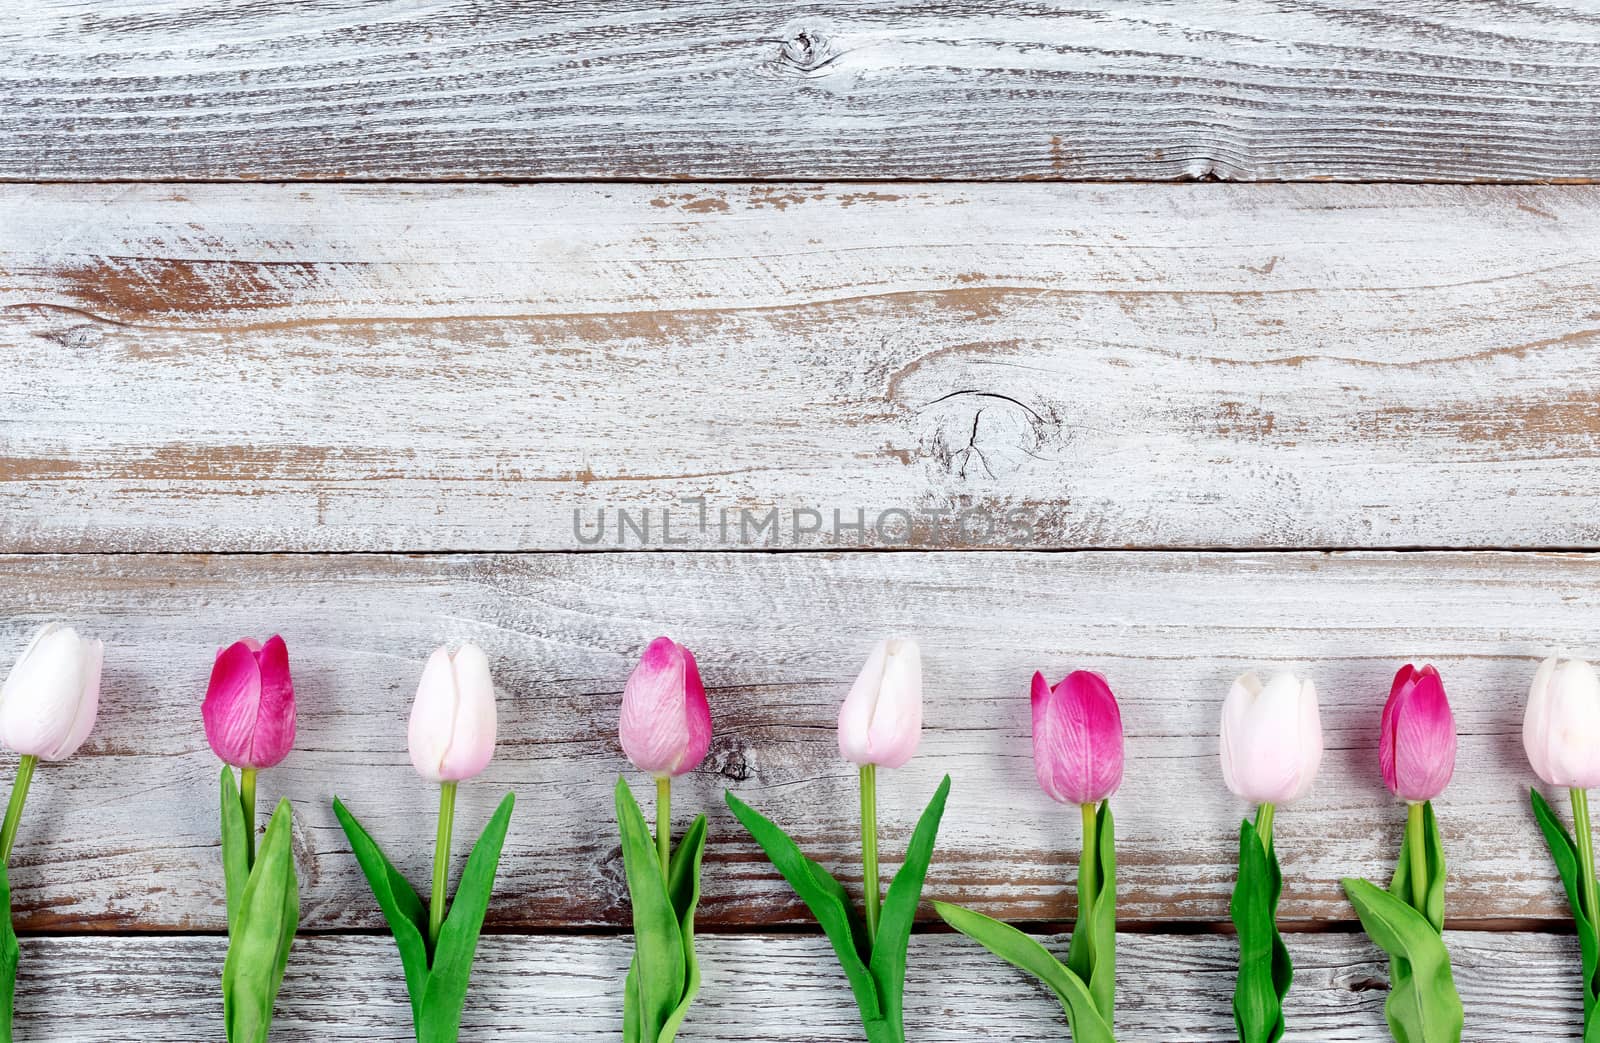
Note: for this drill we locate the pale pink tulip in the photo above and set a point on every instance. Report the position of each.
(1271, 739)
(1561, 729)
(1417, 752)
(50, 698)
(249, 704)
(666, 722)
(1077, 738)
(452, 728)
(881, 719)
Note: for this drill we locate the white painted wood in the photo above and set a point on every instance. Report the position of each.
(277, 367)
(1104, 89)
(564, 989)
(124, 835)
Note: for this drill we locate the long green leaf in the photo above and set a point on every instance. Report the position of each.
(1564, 852)
(402, 906)
(1423, 1006)
(828, 902)
(888, 963)
(1433, 868)
(235, 845)
(445, 995)
(684, 889)
(658, 972)
(258, 948)
(10, 956)
(1264, 969)
(1024, 953)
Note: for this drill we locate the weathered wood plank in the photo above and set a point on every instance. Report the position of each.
(425, 368)
(561, 989)
(124, 835)
(1408, 90)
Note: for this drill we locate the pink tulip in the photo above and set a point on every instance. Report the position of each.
(881, 719)
(249, 705)
(1077, 738)
(1271, 738)
(1418, 749)
(666, 722)
(451, 732)
(1561, 727)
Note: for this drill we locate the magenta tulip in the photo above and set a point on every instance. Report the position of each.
(666, 722)
(249, 704)
(1077, 738)
(1418, 749)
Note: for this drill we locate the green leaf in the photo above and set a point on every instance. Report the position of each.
(888, 962)
(1565, 853)
(445, 995)
(1265, 972)
(401, 905)
(1433, 868)
(1423, 1006)
(1024, 953)
(10, 956)
(828, 902)
(656, 978)
(684, 890)
(258, 946)
(235, 845)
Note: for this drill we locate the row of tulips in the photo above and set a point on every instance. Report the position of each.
(1271, 748)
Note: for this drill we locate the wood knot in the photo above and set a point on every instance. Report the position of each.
(806, 51)
(982, 436)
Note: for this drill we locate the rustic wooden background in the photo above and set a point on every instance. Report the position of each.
(330, 318)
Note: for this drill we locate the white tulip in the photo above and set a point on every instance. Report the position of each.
(49, 700)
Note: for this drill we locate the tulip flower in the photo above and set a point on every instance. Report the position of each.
(47, 708)
(1077, 756)
(1271, 749)
(880, 723)
(451, 739)
(1416, 756)
(665, 729)
(1417, 752)
(249, 718)
(1077, 738)
(666, 723)
(1561, 733)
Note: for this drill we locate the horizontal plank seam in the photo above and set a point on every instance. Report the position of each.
(808, 179)
(1588, 550)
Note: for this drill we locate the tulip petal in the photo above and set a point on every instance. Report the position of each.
(1424, 739)
(896, 727)
(1536, 721)
(855, 713)
(92, 657)
(472, 738)
(1574, 753)
(1235, 712)
(653, 726)
(41, 695)
(231, 703)
(273, 735)
(433, 715)
(697, 713)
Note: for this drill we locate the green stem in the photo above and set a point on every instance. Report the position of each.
(247, 800)
(19, 794)
(441, 860)
(1089, 876)
(1418, 858)
(1264, 825)
(664, 826)
(1580, 816)
(869, 846)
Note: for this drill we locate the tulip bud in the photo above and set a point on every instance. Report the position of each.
(665, 725)
(1271, 738)
(1418, 750)
(451, 734)
(881, 719)
(1561, 729)
(249, 704)
(49, 700)
(1077, 738)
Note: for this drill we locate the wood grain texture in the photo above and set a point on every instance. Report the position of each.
(564, 989)
(123, 836)
(1257, 90)
(473, 368)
